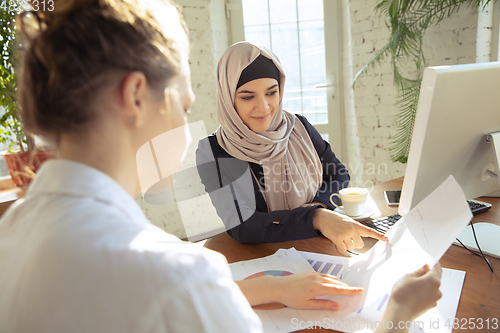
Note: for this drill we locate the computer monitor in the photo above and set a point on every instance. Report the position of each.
(458, 106)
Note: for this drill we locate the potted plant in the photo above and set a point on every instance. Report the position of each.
(408, 20)
(22, 157)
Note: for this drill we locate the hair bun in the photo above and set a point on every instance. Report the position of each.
(82, 46)
(62, 7)
(50, 14)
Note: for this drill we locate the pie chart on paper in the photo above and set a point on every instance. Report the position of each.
(269, 306)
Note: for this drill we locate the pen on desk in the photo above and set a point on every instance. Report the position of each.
(352, 252)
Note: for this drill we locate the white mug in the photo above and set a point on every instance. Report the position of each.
(353, 199)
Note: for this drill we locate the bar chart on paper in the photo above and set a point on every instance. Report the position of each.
(325, 264)
(335, 266)
(326, 267)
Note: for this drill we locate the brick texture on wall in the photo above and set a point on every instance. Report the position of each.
(208, 40)
(453, 41)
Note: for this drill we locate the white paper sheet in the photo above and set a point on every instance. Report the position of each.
(440, 319)
(422, 236)
(289, 320)
(433, 320)
(282, 261)
(323, 263)
(286, 261)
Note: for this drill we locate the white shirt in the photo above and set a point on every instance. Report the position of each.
(77, 254)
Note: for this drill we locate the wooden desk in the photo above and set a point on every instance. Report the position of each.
(481, 291)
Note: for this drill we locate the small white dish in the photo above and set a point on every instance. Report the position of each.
(366, 212)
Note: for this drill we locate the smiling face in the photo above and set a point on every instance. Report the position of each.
(257, 102)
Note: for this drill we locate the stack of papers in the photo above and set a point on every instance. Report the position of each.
(422, 236)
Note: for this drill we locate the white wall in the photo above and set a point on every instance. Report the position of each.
(206, 21)
(208, 38)
(453, 41)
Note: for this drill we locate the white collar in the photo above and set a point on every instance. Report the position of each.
(61, 176)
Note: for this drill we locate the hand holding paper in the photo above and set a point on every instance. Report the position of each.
(413, 295)
(419, 238)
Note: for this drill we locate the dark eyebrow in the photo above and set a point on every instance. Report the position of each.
(252, 92)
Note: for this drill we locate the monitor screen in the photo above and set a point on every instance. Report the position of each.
(458, 106)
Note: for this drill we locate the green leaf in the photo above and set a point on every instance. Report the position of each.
(408, 20)
(11, 125)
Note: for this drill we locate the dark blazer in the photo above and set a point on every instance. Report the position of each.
(240, 203)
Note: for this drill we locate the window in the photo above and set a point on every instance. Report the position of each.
(308, 47)
(294, 30)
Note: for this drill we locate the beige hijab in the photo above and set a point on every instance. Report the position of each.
(292, 168)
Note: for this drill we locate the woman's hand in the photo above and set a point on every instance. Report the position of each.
(413, 295)
(297, 291)
(307, 286)
(342, 230)
(417, 292)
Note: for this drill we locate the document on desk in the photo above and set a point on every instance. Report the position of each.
(437, 320)
(422, 236)
(281, 263)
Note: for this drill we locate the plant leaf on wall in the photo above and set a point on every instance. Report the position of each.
(408, 21)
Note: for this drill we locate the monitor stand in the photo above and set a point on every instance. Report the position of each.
(488, 237)
(493, 169)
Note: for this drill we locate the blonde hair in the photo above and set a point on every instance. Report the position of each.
(78, 48)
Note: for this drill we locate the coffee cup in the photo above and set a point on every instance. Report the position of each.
(352, 198)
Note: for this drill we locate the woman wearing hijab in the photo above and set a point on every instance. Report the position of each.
(77, 254)
(268, 172)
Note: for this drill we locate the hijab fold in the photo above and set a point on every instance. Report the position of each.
(292, 168)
